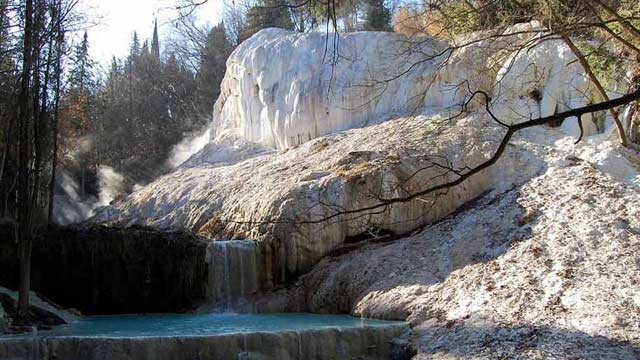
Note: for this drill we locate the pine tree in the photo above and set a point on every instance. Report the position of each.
(377, 17)
(212, 66)
(145, 48)
(134, 50)
(267, 14)
(81, 75)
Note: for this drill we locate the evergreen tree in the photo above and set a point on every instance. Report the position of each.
(134, 49)
(77, 113)
(377, 17)
(266, 14)
(145, 48)
(212, 66)
(81, 75)
(155, 42)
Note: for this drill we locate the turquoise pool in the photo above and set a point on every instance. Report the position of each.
(173, 325)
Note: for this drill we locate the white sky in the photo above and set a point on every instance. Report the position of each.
(118, 19)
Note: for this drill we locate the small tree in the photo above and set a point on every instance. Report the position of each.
(155, 42)
(81, 76)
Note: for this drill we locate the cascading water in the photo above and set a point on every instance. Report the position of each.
(236, 271)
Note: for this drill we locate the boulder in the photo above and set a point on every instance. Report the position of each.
(42, 315)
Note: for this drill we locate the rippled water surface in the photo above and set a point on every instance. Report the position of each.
(204, 324)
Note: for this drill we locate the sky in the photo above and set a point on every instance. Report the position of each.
(118, 19)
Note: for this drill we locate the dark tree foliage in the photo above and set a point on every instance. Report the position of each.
(212, 66)
(77, 120)
(155, 41)
(143, 106)
(267, 14)
(377, 16)
(81, 73)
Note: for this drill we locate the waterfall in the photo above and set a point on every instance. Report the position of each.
(235, 271)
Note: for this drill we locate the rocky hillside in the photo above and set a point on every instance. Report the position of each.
(354, 149)
(550, 269)
(535, 257)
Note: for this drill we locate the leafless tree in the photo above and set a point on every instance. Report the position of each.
(43, 31)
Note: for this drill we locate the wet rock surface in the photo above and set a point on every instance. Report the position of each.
(37, 318)
(373, 343)
(4, 320)
(101, 270)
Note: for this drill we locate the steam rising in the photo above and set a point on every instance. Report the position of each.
(69, 206)
(187, 147)
(111, 185)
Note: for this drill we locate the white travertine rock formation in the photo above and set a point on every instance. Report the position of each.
(281, 89)
(277, 198)
(374, 343)
(547, 270)
(278, 94)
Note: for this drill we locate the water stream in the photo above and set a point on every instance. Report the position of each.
(236, 270)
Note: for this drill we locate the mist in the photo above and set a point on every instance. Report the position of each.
(182, 151)
(70, 206)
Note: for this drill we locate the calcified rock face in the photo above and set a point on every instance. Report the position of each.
(269, 198)
(548, 270)
(281, 89)
(375, 343)
(278, 94)
(82, 268)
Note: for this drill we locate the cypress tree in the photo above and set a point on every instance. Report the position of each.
(155, 42)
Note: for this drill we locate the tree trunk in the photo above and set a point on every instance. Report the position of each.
(56, 108)
(25, 235)
(5, 151)
(25, 166)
